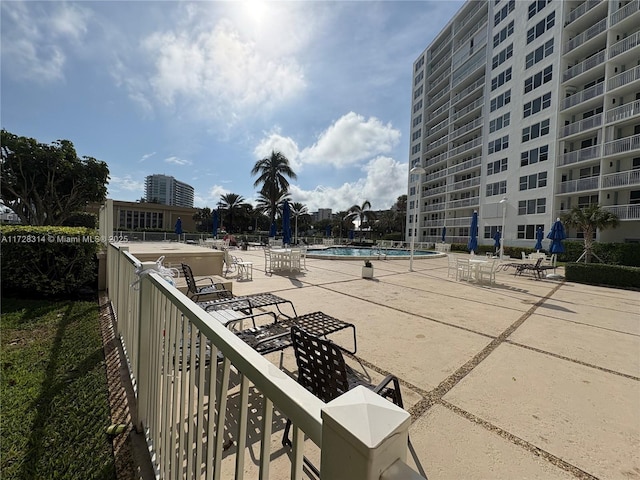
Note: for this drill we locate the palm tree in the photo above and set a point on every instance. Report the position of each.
(203, 218)
(231, 202)
(362, 213)
(272, 174)
(298, 209)
(588, 220)
(271, 209)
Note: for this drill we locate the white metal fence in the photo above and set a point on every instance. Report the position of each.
(190, 407)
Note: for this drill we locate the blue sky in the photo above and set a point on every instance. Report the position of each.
(202, 90)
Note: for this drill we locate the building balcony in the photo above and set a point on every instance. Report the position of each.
(623, 78)
(467, 127)
(435, 160)
(479, 60)
(435, 191)
(443, 44)
(624, 45)
(622, 145)
(468, 90)
(464, 184)
(621, 179)
(438, 143)
(439, 110)
(468, 109)
(468, 165)
(581, 126)
(459, 222)
(624, 12)
(440, 94)
(583, 96)
(444, 60)
(476, 142)
(437, 81)
(439, 126)
(624, 112)
(464, 203)
(624, 212)
(581, 155)
(581, 10)
(581, 185)
(434, 207)
(585, 36)
(588, 64)
(436, 175)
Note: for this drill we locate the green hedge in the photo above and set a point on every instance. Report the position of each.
(47, 261)
(600, 274)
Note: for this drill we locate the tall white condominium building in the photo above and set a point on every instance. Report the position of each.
(168, 191)
(532, 103)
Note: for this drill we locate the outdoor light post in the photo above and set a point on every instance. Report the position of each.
(417, 170)
(504, 215)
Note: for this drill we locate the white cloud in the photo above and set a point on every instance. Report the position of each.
(34, 44)
(177, 161)
(285, 145)
(146, 156)
(126, 183)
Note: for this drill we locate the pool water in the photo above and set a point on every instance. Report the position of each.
(364, 252)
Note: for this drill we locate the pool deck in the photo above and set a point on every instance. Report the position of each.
(527, 378)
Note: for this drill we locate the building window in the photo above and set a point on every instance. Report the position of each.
(532, 207)
(503, 34)
(498, 188)
(536, 6)
(503, 12)
(497, 166)
(537, 180)
(501, 79)
(536, 130)
(535, 155)
(501, 100)
(538, 54)
(587, 200)
(528, 232)
(500, 122)
(498, 144)
(537, 104)
(541, 27)
(538, 79)
(501, 57)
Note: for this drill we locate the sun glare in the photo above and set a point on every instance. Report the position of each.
(256, 10)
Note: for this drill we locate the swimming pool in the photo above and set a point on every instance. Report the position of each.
(361, 253)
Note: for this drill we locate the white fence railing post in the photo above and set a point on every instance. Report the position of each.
(363, 434)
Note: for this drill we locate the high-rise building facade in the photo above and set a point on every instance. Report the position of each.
(521, 110)
(168, 191)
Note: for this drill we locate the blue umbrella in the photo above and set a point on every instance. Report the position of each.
(496, 239)
(178, 229)
(472, 246)
(215, 223)
(272, 230)
(286, 223)
(556, 234)
(328, 230)
(539, 237)
(444, 233)
(351, 234)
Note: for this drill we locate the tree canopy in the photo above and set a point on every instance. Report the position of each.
(272, 174)
(46, 184)
(589, 219)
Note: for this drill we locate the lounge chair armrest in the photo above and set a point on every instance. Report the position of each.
(394, 394)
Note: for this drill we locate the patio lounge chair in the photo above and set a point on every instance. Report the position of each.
(194, 292)
(247, 303)
(323, 371)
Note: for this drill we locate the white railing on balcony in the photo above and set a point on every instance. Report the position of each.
(437, 143)
(624, 212)
(437, 96)
(180, 360)
(467, 202)
(436, 81)
(624, 78)
(622, 145)
(473, 64)
(467, 90)
(467, 127)
(588, 64)
(621, 179)
(439, 110)
(583, 95)
(436, 190)
(464, 184)
(465, 146)
(466, 165)
(624, 45)
(443, 44)
(579, 185)
(626, 11)
(588, 34)
(623, 112)
(459, 222)
(469, 108)
(580, 155)
(439, 126)
(441, 62)
(581, 126)
(434, 207)
(435, 160)
(437, 175)
(581, 10)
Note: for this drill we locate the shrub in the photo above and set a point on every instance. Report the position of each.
(600, 274)
(47, 261)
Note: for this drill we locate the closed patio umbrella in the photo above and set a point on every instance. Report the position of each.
(496, 240)
(472, 246)
(556, 235)
(215, 224)
(444, 233)
(286, 223)
(272, 230)
(539, 237)
(328, 231)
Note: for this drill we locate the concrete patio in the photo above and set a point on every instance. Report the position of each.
(524, 379)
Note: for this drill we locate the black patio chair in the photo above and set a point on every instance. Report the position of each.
(194, 292)
(323, 371)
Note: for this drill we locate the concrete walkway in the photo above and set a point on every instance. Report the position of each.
(527, 378)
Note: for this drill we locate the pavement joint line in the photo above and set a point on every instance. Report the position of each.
(551, 458)
(613, 330)
(573, 360)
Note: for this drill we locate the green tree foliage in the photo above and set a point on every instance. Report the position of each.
(45, 184)
(362, 213)
(272, 172)
(204, 219)
(588, 220)
(233, 203)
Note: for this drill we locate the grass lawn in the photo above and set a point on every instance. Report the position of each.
(53, 392)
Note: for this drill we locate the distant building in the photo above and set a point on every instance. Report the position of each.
(148, 216)
(168, 191)
(321, 214)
